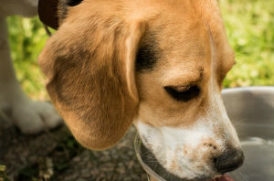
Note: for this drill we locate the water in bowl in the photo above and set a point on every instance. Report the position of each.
(259, 161)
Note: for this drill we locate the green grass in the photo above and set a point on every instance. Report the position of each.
(27, 39)
(250, 29)
(249, 24)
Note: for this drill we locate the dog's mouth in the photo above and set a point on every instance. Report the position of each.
(155, 169)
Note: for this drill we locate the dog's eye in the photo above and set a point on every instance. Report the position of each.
(73, 2)
(184, 93)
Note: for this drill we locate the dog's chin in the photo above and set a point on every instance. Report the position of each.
(150, 160)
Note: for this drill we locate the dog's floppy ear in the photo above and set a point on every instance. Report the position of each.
(90, 67)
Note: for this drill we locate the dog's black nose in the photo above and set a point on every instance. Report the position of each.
(229, 160)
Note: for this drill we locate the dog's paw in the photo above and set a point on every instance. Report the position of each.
(34, 117)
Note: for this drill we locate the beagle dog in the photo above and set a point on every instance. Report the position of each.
(30, 116)
(157, 64)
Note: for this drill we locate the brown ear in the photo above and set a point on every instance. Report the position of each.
(90, 66)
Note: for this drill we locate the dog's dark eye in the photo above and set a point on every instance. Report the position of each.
(73, 2)
(183, 93)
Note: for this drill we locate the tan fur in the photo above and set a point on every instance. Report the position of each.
(90, 64)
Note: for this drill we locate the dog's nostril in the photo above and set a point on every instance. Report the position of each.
(229, 160)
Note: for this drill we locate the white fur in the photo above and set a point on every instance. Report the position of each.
(28, 115)
(217, 109)
(168, 146)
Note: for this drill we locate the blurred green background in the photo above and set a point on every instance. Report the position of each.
(250, 29)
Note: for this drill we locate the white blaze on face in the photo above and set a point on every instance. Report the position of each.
(181, 150)
(216, 110)
(223, 126)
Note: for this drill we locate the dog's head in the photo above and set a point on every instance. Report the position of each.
(156, 63)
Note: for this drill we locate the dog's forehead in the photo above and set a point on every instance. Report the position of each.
(184, 51)
(187, 31)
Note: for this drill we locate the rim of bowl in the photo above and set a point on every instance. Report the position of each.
(251, 88)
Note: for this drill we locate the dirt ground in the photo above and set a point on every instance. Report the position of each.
(55, 155)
